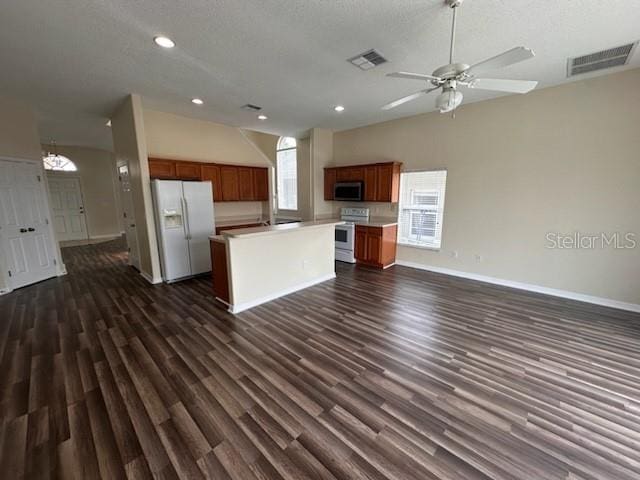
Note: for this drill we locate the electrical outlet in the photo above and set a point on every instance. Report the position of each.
(479, 258)
(305, 264)
(454, 254)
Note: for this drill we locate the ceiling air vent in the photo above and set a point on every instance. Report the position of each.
(251, 108)
(612, 57)
(368, 60)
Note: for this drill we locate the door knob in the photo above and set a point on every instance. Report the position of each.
(23, 230)
(31, 229)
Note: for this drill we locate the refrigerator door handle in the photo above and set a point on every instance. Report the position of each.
(186, 218)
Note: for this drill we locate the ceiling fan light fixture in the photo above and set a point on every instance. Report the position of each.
(448, 100)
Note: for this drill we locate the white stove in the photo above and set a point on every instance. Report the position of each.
(345, 234)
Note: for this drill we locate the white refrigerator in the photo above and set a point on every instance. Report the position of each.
(184, 221)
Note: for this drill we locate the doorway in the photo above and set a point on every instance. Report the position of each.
(25, 233)
(67, 206)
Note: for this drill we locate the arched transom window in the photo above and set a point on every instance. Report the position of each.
(287, 173)
(58, 162)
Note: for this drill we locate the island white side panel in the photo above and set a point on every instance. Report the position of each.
(265, 267)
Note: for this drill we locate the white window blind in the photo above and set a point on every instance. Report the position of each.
(287, 174)
(421, 208)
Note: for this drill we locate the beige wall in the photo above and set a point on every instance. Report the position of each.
(19, 139)
(560, 159)
(97, 172)
(173, 136)
(322, 155)
(129, 143)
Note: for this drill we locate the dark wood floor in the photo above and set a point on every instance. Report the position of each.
(376, 375)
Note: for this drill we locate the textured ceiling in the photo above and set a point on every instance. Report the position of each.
(75, 60)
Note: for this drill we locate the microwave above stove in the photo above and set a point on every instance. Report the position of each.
(348, 191)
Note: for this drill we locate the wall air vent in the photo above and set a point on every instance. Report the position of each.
(368, 60)
(612, 57)
(251, 108)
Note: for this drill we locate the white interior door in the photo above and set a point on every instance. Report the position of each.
(129, 216)
(67, 207)
(24, 230)
(198, 200)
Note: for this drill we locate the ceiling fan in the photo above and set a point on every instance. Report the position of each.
(454, 75)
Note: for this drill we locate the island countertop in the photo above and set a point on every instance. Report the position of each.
(274, 229)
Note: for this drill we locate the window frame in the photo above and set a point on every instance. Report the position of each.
(280, 149)
(413, 209)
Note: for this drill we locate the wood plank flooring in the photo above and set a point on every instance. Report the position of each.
(398, 374)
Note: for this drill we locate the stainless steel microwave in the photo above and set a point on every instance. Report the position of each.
(348, 191)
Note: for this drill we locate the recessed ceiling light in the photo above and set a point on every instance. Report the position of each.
(108, 124)
(164, 42)
(262, 117)
(339, 108)
(197, 101)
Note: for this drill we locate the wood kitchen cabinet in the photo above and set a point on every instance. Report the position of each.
(329, 182)
(261, 184)
(230, 183)
(381, 181)
(376, 246)
(188, 171)
(212, 173)
(245, 184)
(162, 169)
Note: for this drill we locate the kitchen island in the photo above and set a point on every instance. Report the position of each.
(255, 265)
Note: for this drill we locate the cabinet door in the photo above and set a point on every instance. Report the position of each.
(188, 171)
(385, 183)
(374, 247)
(245, 182)
(230, 186)
(350, 174)
(212, 173)
(329, 182)
(261, 184)
(360, 250)
(163, 169)
(370, 184)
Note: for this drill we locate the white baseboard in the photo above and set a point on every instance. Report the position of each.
(247, 305)
(150, 279)
(581, 297)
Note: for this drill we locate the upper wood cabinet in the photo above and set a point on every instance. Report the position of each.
(231, 183)
(381, 181)
(245, 183)
(162, 169)
(212, 173)
(261, 184)
(188, 170)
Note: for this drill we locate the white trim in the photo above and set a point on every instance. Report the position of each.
(99, 237)
(150, 279)
(581, 297)
(247, 305)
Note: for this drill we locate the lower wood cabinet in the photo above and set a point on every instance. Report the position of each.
(376, 246)
(219, 270)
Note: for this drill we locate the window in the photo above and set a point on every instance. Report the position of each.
(287, 174)
(59, 163)
(421, 208)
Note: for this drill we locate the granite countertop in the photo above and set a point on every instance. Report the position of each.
(230, 222)
(272, 229)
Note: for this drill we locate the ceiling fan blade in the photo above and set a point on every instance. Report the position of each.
(515, 55)
(501, 85)
(413, 76)
(408, 98)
